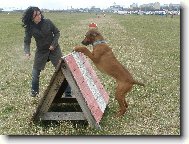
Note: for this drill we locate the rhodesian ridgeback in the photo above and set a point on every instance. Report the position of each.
(104, 59)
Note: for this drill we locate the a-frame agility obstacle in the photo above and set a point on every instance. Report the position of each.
(87, 91)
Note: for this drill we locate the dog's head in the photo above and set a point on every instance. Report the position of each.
(91, 36)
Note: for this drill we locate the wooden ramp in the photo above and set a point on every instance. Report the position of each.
(87, 92)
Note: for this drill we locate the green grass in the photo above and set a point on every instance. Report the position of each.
(149, 46)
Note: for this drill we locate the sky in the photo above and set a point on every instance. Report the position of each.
(67, 4)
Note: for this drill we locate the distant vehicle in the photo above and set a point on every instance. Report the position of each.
(122, 12)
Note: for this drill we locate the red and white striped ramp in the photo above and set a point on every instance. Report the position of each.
(89, 84)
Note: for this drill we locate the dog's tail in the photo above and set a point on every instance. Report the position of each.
(138, 83)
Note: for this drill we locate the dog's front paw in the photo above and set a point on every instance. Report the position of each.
(79, 49)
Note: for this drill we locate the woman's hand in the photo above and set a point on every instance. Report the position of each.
(27, 56)
(51, 48)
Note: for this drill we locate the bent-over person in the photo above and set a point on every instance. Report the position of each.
(46, 35)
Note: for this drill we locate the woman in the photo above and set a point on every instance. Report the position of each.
(46, 35)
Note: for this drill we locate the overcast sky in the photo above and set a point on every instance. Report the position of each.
(66, 4)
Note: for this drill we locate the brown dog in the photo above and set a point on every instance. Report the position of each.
(105, 61)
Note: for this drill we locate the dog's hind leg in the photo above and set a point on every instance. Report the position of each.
(121, 90)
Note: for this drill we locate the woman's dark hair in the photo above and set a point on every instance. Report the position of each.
(27, 18)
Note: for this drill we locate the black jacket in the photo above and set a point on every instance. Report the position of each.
(45, 34)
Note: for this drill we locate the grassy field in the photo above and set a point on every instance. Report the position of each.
(149, 46)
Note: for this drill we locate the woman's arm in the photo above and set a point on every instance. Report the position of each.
(27, 41)
(56, 33)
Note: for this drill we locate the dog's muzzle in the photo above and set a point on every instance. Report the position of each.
(86, 43)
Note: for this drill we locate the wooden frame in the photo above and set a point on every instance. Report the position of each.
(53, 95)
